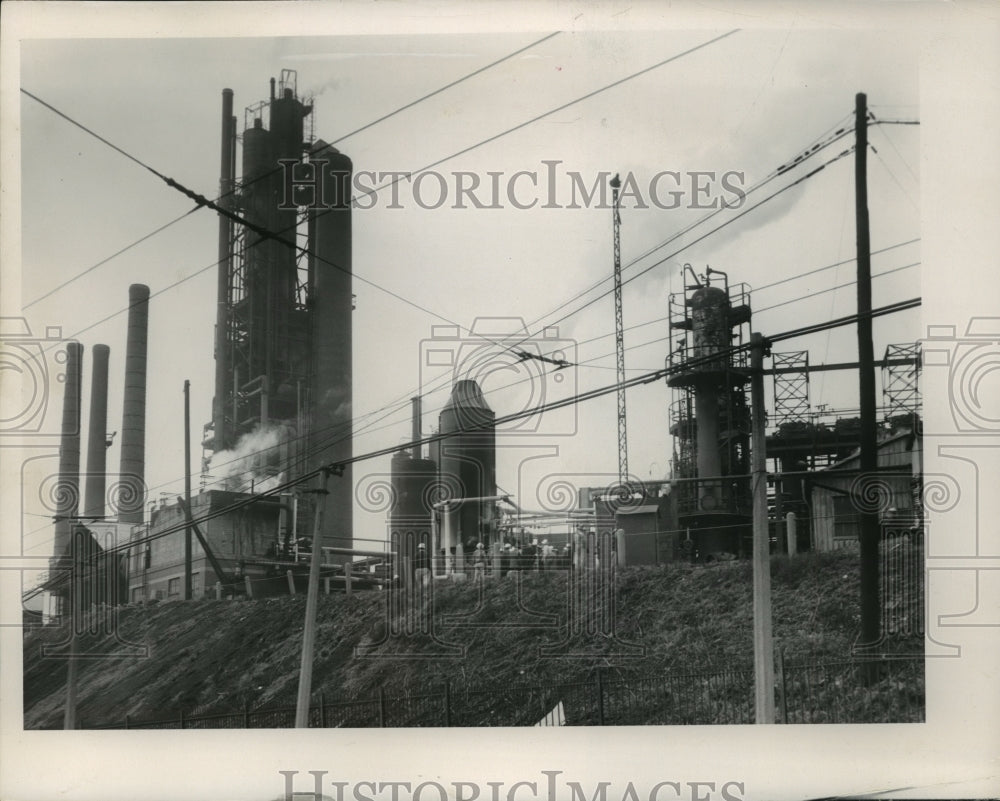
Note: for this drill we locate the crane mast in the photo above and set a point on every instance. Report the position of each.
(619, 338)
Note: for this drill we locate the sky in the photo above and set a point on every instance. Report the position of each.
(741, 104)
(149, 79)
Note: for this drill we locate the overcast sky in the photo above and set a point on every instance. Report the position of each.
(744, 105)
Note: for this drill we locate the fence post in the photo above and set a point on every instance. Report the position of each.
(182, 719)
(600, 698)
(322, 708)
(381, 707)
(126, 721)
(447, 703)
(784, 685)
(291, 582)
(246, 716)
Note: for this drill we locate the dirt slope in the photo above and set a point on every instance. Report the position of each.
(209, 656)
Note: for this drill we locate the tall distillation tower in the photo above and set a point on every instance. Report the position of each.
(709, 412)
(283, 326)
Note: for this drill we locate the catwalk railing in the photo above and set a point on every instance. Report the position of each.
(810, 692)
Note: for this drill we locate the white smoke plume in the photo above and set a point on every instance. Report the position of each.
(254, 461)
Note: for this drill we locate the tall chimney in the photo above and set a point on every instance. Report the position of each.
(416, 426)
(331, 302)
(223, 370)
(68, 490)
(96, 480)
(133, 459)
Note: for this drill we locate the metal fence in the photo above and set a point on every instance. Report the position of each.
(831, 692)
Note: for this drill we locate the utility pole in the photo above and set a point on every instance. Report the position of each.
(312, 601)
(75, 623)
(187, 489)
(619, 337)
(870, 618)
(763, 644)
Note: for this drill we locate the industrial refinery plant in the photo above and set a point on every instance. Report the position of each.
(282, 411)
(753, 472)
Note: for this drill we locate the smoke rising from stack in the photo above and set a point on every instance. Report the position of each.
(246, 464)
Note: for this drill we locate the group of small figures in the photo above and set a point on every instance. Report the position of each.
(530, 555)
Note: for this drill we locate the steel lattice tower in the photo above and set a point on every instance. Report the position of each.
(901, 379)
(791, 387)
(619, 339)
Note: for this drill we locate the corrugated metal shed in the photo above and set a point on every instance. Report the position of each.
(835, 509)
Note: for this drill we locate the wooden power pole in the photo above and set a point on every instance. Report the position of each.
(763, 643)
(312, 601)
(187, 489)
(870, 617)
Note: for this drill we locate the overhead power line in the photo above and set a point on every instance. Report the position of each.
(718, 228)
(473, 74)
(200, 200)
(338, 467)
(277, 169)
(549, 113)
(834, 134)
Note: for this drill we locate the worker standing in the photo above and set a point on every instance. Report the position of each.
(421, 565)
(479, 562)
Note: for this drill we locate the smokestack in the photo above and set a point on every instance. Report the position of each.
(96, 481)
(68, 490)
(416, 426)
(331, 304)
(222, 368)
(133, 457)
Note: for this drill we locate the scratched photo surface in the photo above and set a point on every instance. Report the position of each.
(511, 377)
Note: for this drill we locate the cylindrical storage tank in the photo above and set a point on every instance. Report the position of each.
(95, 484)
(286, 143)
(67, 493)
(287, 128)
(330, 310)
(468, 460)
(259, 208)
(410, 518)
(258, 154)
(131, 500)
